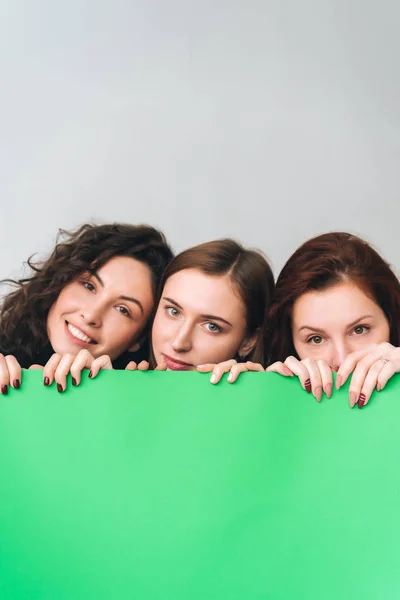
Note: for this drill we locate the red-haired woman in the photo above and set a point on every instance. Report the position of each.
(336, 308)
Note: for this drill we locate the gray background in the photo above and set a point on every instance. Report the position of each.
(266, 121)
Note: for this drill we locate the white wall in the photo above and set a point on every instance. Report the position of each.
(267, 121)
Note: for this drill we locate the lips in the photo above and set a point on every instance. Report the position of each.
(78, 334)
(176, 365)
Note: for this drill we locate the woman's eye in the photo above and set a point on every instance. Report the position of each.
(315, 339)
(172, 311)
(123, 311)
(89, 286)
(213, 327)
(360, 329)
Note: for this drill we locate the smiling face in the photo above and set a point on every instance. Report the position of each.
(200, 319)
(105, 312)
(329, 324)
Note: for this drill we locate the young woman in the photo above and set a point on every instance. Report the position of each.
(95, 293)
(212, 307)
(336, 309)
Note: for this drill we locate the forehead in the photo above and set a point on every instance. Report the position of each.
(204, 294)
(339, 304)
(126, 274)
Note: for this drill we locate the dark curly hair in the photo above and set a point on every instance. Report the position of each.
(24, 311)
(320, 263)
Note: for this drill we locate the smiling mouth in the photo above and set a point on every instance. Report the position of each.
(176, 365)
(79, 335)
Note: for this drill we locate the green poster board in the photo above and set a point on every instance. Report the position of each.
(160, 486)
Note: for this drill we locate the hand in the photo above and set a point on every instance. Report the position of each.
(59, 365)
(10, 373)
(372, 367)
(315, 375)
(232, 366)
(144, 366)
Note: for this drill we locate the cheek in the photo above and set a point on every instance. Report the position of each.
(381, 334)
(218, 349)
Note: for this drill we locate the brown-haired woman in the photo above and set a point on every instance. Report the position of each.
(93, 295)
(213, 304)
(336, 308)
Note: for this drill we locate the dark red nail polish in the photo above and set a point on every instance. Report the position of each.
(46, 381)
(90, 374)
(73, 381)
(4, 389)
(307, 385)
(361, 401)
(16, 384)
(60, 387)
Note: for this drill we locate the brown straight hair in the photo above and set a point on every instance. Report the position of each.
(320, 263)
(251, 276)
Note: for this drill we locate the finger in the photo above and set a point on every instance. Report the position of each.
(299, 369)
(4, 375)
(370, 361)
(241, 368)
(62, 370)
(207, 368)
(50, 368)
(389, 369)
(369, 383)
(35, 367)
(143, 366)
(101, 363)
(279, 367)
(131, 366)
(315, 377)
(14, 371)
(326, 377)
(161, 367)
(352, 359)
(83, 360)
(220, 369)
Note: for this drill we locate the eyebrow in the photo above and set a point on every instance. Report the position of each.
(318, 330)
(128, 298)
(210, 317)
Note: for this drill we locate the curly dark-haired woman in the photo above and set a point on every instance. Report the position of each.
(95, 292)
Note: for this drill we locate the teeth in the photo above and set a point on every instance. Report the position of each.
(78, 334)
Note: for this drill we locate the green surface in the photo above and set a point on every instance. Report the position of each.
(161, 486)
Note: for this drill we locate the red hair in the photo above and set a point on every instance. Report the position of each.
(320, 263)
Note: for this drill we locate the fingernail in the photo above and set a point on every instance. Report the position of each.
(339, 380)
(213, 378)
(73, 381)
(318, 393)
(352, 399)
(4, 389)
(90, 374)
(307, 385)
(361, 401)
(46, 381)
(60, 388)
(378, 387)
(287, 371)
(200, 366)
(16, 384)
(230, 377)
(328, 390)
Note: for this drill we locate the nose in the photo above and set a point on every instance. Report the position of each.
(340, 349)
(183, 338)
(92, 313)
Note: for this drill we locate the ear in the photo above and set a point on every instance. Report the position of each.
(248, 344)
